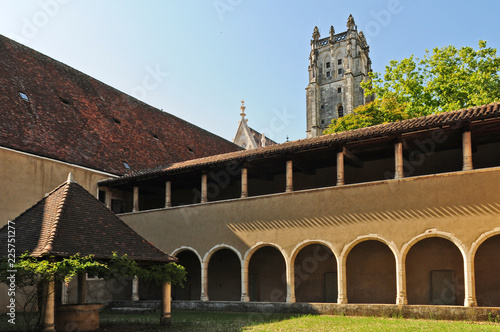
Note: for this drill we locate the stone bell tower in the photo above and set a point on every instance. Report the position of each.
(337, 65)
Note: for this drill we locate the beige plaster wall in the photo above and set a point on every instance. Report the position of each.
(25, 179)
(464, 204)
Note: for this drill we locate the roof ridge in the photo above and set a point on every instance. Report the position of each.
(47, 247)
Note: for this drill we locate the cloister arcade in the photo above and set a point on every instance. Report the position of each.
(432, 268)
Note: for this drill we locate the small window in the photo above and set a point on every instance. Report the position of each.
(64, 101)
(340, 111)
(24, 96)
(339, 90)
(328, 65)
(322, 107)
(328, 74)
(322, 122)
(339, 62)
(340, 71)
(127, 166)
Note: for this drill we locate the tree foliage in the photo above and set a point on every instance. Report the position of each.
(31, 273)
(447, 79)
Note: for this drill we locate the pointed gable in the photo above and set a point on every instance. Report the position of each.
(69, 220)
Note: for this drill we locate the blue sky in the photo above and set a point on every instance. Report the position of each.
(198, 59)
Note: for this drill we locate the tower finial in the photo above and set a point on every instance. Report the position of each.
(316, 34)
(350, 23)
(332, 31)
(242, 108)
(70, 178)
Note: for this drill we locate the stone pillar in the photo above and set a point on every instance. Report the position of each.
(82, 288)
(204, 283)
(166, 306)
(290, 283)
(467, 151)
(401, 298)
(108, 198)
(204, 191)
(245, 297)
(469, 282)
(289, 176)
(342, 284)
(398, 160)
(168, 194)
(49, 312)
(340, 168)
(135, 289)
(135, 207)
(244, 182)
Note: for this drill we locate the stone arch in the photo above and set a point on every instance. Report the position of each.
(222, 266)
(370, 264)
(436, 276)
(184, 248)
(485, 255)
(315, 276)
(266, 267)
(192, 262)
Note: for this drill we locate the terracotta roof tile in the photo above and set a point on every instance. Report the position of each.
(75, 118)
(69, 221)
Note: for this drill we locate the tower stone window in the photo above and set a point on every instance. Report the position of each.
(340, 111)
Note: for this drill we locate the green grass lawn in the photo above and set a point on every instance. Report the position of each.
(220, 321)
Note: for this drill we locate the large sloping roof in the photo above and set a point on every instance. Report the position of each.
(455, 118)
(69, 220)
(72, 117)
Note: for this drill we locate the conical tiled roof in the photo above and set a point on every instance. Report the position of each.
(69, 220)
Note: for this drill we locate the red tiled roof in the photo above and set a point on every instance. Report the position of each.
(69, 220)
(460, 117)
(74, 118)
(258, 137)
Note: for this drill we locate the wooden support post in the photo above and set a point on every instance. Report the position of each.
(289, 176)
(166, 311)
(204, 191)
(340, 168)
(135, 206)
(467, 151)
(168, 194)
(49, 311)
(398, 160)
(244, 182)
(82, 288)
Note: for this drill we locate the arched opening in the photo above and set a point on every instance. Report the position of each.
(192, 285)
(224, 276)
(435, 273)
(487, 272)
(267, 275)
(371, 273)
(315, 270)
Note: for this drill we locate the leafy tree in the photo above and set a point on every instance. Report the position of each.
(445, 80)
(32, 273)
